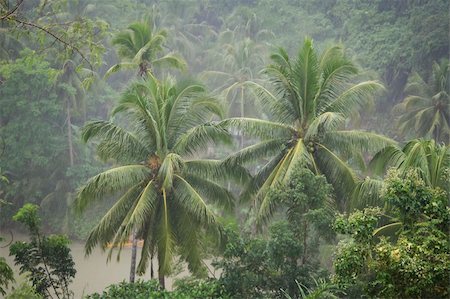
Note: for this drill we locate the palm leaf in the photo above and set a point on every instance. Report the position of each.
(109, 182)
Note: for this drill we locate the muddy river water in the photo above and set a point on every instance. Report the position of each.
(93, 272)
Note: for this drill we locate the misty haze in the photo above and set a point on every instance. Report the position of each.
(224, 149)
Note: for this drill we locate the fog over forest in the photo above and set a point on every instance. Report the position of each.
(224, 149)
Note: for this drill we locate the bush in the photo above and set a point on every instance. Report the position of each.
(185, 289)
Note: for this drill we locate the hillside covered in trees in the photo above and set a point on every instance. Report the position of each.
(266, 149)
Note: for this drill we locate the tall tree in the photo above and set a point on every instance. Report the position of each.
(140, 47)
(426, 109)
(163, 187)
(312, 97)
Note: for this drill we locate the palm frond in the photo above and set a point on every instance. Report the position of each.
(390, 156)
(109, 182)
(192, 201)
(170, 60)
(354, 98)
(257, 151)
(166, 238)
(211, 191)
(259, 128)
(108, 226)
(367, 193)
(280, 109)
(144, 208)
(337, 172)
(199, 137)
(118, 143)
(360, 141)
(325, 122)
(217, 170)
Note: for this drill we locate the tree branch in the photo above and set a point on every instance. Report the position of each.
(57, 38)
(12, 11)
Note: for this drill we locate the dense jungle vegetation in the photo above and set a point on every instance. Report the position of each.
(272, 149)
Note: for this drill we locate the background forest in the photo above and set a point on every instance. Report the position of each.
(302, 145)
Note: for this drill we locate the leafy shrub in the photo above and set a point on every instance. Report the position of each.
(46, 258)
(23, 291)
(185, 289)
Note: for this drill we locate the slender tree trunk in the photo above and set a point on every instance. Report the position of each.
(152, 271)
(161, 279)
(133, 257)
(242, 112)
(305, 237)
(69, 134)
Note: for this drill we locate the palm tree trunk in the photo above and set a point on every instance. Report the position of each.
(69, 134)
(152, 271)
(133, 257)
(161, 279)
(242, 112)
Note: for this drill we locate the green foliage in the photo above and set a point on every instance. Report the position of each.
(31, 138)
(258, 268)
(310, 98)
(353, 255)
(359, 224)
(163, 187)
(200, 289)
(406, 29)
(139, 290)
(6, 276)
(60, 28)
(24, 290)
(414, 264)
(308, 203)
(430, 159)
(140, 47)
(425, 112)
(322, 289)
(47, 259)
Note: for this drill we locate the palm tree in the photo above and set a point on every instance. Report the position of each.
(164, 188)
(240, 60)
(140, 47)
(311, 99)
(426, 111)
(430, 159)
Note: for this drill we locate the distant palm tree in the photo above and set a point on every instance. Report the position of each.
(426, 111)
(140, 47)
(240, 60)
(164, 188)
(430, 159)
(312, 97)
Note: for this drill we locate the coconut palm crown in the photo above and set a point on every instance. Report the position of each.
(140, 46)
(310, 99)
(426, 110)
(163, 188)
(429, 159)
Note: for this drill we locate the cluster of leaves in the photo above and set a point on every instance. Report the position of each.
(413, 264)
(47, 259)
(201, 289)
(308, 204)
(6, 275)
(257, 268)
(24, 290)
